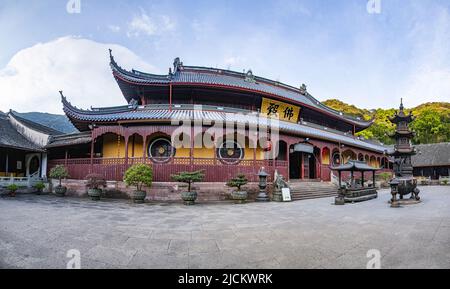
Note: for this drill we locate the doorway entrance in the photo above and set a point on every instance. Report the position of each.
(302, 166)
(303, 162)
(295, 165)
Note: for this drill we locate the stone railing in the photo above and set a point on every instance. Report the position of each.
(424, 181)
(28, 182)
(444, 181)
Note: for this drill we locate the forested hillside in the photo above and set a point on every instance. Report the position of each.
(432, 123)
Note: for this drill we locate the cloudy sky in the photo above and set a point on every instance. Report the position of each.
(337, 48)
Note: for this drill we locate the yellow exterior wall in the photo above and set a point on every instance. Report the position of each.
(182, 153)
(14, 175)
(326, 157)
(112, 149)
(204, 153)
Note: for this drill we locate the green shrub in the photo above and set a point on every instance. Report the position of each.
(238, 182)
(189, 177)
(385, 176)
(39, 186)
(138, 175)
(59, 172)
(12, 188)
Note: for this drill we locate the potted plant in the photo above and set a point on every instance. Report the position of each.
(94, 182)
(138, 175)
(39, 187)
(189, 178)
(238, 196)
(12, 188)
(59, 172)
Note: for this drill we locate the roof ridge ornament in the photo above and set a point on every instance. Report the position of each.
(111, 57)
(62, 95)
(303, 89)
(177, 64)
(249, 77)
(133, 104)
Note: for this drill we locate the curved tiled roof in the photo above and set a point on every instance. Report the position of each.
(437, 154)
(69, 139)
(34, 125)
(191, 75)
(11, 138)
(82, 118)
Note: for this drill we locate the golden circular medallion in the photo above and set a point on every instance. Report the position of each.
(161, 150)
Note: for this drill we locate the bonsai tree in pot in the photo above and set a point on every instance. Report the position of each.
(39, 187)
(189, 178)
(139, 175)
(59, 172)
(94, 182)
(238, 196)
(12, 188)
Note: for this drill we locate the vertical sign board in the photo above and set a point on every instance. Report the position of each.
(286, 194)
(281, 110)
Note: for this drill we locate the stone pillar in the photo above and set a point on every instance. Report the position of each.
(44, 166)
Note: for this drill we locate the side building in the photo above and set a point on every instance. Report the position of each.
(432, 160)
(23, 158)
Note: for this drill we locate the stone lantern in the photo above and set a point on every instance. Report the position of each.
(394, 191)
(262, 195)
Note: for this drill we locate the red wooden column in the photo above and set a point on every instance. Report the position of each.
(255, 167)
(288, 154)
(92, 155)
(144, 147)
(302, 170)
(191, 150)
(126, 151)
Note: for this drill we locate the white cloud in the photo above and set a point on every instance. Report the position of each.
(144, 24)
(80, 67)
(114, 28)
(429, 77)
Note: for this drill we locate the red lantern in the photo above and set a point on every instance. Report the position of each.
(268, 146)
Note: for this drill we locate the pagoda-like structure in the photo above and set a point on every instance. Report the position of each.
(403, 183)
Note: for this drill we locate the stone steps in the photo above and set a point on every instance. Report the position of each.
(312, 190)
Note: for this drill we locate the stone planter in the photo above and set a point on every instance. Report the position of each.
(189, 197)
(138, 196)
(94, 194)
(60, 191)
(239, 197)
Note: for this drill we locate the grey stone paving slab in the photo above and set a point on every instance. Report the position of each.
(37, 232)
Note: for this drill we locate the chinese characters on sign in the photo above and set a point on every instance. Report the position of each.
(284, 111)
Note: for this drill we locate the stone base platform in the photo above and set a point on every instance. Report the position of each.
(405, 202)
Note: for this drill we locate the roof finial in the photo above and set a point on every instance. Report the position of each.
(303, 89)
(249, 77)
(177, 64)
(111, 57)
(401, 103)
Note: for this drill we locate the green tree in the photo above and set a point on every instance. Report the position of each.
(237, 182)
(189, 177)
(432, 122)
(138, 175)
(431, 126)
(59, 172)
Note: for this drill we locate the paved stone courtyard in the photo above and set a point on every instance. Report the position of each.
(37, 232)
